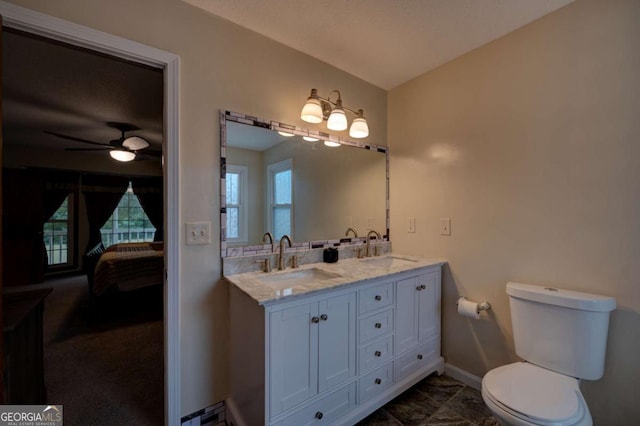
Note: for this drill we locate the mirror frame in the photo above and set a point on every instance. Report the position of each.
(250, 120)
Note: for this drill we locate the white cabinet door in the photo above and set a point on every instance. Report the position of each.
(418, 310)
(312, 348)
(337, 340)
(428, 307)
(406, 314)
(293, 356)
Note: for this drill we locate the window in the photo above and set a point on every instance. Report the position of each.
(280, 198)
(57, 234)
(128, 222)
(236, 195)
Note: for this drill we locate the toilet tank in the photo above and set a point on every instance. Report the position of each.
(561, 330)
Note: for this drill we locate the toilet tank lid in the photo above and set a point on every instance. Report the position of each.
(560, 297)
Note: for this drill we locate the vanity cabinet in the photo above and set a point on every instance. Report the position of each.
(333, 356)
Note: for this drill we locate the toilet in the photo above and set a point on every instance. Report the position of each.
(562, 336)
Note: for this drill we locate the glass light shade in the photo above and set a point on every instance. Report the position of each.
(310, 139)
(359, 128)
(120, 155)
(135, 143)
(337, 120)
(331, 144)
(285, 134)
(312, 111)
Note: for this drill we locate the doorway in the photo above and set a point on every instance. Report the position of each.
(39, 24)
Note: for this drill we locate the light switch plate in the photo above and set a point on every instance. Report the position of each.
(445, 226)
(198, 233)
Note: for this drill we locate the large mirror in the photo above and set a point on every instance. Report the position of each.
(288, 185)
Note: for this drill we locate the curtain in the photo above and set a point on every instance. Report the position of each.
(101, 195)
(56, 189)
(149, 191)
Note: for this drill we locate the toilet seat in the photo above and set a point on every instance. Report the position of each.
(534, 394)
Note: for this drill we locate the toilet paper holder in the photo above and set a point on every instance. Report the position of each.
(482, 306)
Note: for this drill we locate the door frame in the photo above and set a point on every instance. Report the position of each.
(57, 29)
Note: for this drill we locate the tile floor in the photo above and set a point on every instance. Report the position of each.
(436, 400)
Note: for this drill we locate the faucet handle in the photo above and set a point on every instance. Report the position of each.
(359, 252)
(266, 264)
(294, 261)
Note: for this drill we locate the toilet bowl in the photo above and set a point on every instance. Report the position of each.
(524, 394)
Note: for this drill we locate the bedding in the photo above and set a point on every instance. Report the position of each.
(129, 266)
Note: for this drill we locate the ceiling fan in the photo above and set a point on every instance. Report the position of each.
(126, 148)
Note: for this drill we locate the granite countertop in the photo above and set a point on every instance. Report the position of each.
(266, 288)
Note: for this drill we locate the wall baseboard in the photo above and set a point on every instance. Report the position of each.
(463, 375)
(233, 415)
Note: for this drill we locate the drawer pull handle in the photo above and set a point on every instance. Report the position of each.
(378, 353)
(315, 320)
(419, 356)
(378, 297)
(323, 317)
(378, 325)
(319, 415)
(378, 381)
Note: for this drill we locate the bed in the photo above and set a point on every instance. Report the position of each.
(127, 267)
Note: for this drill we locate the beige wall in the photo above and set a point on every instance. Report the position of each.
(222, 67)
(530, 145)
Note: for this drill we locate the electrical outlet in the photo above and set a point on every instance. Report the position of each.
(198, 233)
(445, 226)
(411, 225)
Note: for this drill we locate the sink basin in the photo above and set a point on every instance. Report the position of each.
(284, 280)
(388, 261)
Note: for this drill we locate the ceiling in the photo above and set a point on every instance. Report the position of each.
(49, 86)
(384, 42)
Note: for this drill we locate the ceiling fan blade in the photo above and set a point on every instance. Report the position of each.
(72, 138)
(87, 149)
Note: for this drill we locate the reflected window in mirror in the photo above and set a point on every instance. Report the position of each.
(281, 198)
(237, 189)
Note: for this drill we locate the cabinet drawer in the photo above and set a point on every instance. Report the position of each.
(415, 359)
(373, 298)
(375, 354)
(375, 382)
(325, 411)
(376, 325)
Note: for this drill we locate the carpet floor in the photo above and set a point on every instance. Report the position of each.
(104, 364)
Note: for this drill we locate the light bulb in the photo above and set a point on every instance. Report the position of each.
(121, 155)
(359, 128)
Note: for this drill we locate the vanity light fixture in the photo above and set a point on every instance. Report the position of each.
(285, 134)
(121, 155)
(310, 139)
(317, 109)
(331, 144)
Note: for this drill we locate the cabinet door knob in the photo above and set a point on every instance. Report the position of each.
(419, 288)
(378, 381)
(319, 415)
(378, 325)
(378, 353)
(315, 320)
(419, 356)
(422, 287)
(378, 297)
(323, 317)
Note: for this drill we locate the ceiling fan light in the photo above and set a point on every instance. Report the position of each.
(359, 128)
(134, 143)
(337, 120)
(121, 155)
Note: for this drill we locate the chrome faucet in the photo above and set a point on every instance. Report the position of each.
(377, 234)
(281, 265)
(268, 235)
(355, 234)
